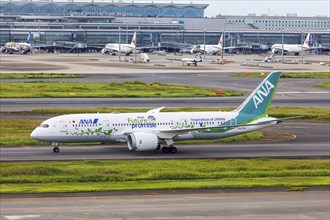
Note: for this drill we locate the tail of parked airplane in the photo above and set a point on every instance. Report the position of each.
(133, 42)
(306, 42)
(28, 38)
(220, 41)
(257, 104)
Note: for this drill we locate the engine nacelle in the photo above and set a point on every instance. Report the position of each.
(141, 141)
(105, 51)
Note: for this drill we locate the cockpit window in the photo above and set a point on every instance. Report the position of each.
(43, 126)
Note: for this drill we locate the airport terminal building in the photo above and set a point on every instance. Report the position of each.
(97, 23)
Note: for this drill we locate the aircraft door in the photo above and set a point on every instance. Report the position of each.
(63, 126)
(233, 121)
(106, 125)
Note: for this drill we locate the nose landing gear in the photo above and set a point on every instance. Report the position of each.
(56, 149)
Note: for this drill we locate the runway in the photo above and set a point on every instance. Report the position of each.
(307, 140)
(207, 204)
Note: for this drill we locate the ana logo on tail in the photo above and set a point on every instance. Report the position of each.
(264, 91)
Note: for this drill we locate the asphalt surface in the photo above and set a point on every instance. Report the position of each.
(295, 140)
(307, 205)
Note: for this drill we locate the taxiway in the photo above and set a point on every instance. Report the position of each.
(155, 205)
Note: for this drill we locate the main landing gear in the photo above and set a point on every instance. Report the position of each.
(55, 149)
(169, 149)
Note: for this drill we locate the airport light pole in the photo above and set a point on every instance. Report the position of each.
(302, 47)
(119, 44)
(135, 31)
(282, 44)
(223, 39)
(204, 44)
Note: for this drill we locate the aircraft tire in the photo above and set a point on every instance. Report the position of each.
(56, 149)
(173, 150)
(166, 150)
(170, 149)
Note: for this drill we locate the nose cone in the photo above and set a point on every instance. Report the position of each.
(34, 134)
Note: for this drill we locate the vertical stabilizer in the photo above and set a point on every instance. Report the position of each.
(220, 41)
(306, 42)
(133, 42)
(258, 102)
(28, 40)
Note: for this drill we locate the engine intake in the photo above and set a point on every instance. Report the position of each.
(141, 141)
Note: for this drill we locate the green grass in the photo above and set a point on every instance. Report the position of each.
(16, 132)
(319, 75)
(315, 114)
(88, 176)
(81, 89)
(37, 75)
(324, 85)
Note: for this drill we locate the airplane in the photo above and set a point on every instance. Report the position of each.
(11, 47)
(124, 48)
(291, 48)
(212, 49)
(198, 58)
(150, 130)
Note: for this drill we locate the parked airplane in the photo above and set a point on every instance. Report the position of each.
(212, 49)
(291, 48)
(148, 131)
(11, 47)
(120, 48)
(198, 58)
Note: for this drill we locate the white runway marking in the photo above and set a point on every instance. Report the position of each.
(18, 217)
(297, 92)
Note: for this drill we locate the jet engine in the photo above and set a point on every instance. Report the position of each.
(141, 141)
(105, 51)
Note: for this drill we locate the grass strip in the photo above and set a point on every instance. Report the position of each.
(319, 75)
(324, 85)
(88, 176)
(37, 75)
(88, 89)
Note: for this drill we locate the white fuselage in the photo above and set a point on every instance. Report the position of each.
(290, 48)
(107, 127)
(211, 49)
(17, 46)
(123, 48)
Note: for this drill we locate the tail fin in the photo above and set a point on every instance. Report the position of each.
(220, 41)
(133, 42)
(258, 102)
(306, 42)
(28, 38)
